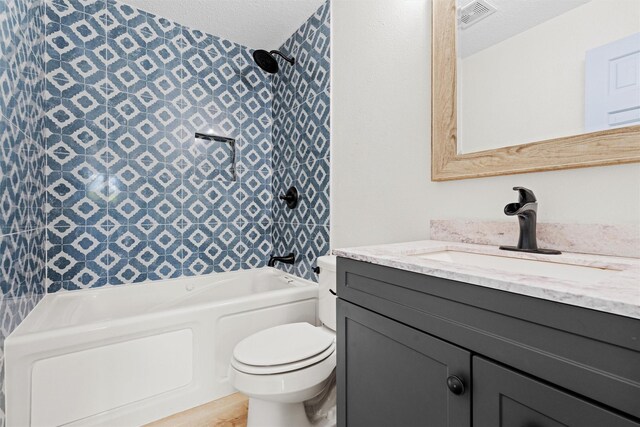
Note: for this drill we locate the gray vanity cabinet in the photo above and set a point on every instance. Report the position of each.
(397, 376)
(505, 398)
(516, 361)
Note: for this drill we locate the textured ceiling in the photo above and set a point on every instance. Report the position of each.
(512, 17)
(264, 24)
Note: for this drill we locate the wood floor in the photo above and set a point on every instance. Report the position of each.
(230, 411)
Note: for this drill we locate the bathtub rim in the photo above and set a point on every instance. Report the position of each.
(24, 330)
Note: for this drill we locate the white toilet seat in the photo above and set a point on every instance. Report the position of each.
(283, 345)
(287, 367)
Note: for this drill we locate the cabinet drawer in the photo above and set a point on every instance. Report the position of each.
(591, 353)
(505, 398)
(392, 375)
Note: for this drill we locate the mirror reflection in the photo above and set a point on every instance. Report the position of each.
(532, 70)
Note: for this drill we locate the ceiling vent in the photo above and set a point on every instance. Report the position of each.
(474, 12)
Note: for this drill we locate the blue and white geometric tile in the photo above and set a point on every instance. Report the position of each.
(154, 84)
(301, 143)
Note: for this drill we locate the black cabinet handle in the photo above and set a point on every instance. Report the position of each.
(455, 384)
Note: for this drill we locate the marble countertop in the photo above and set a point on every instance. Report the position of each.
(618, 294)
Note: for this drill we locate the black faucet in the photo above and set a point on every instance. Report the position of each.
(527, 210)
(289, 259)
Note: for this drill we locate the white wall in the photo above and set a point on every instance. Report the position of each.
(381, 188)
(380, 121)
(531, 86)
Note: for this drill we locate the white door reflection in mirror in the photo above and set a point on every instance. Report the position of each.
(612, 85)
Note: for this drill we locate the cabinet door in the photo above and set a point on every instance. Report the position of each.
(390, 374)
(505, 398)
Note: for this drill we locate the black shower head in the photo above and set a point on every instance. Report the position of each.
(267, 61)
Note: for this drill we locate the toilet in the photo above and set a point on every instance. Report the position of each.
(281, 367)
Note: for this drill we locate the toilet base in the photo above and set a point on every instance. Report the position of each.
(263, 413)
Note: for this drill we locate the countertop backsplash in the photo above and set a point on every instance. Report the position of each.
(599, 239)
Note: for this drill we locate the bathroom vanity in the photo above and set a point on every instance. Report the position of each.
(425, 337)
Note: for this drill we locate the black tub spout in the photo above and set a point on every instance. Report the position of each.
(289, 259)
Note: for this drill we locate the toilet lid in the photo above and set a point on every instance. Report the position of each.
(282, 344)
(289, 367)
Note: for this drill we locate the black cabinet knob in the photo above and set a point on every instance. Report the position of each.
(455, 384)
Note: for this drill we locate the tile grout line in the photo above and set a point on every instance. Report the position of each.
(45, 141)
(108, 93)
(26, 230)
(46, 155)
(294, 108)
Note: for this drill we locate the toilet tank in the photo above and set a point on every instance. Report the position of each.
(326, 282)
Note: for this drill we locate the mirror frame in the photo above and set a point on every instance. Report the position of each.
(607, 147)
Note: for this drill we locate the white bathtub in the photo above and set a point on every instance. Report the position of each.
(128, 355)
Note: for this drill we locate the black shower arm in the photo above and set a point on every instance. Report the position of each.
(290, 60)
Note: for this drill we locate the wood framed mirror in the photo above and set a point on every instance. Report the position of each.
(611, 146)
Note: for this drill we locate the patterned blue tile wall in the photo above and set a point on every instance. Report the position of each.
(301, 154)
(22, 157)
(132, 195)
(111, 181)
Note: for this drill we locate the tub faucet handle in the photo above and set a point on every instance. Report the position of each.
(290, 197)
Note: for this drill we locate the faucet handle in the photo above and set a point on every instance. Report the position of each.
(525, 195)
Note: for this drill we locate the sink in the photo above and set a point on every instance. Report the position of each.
(554, 270)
